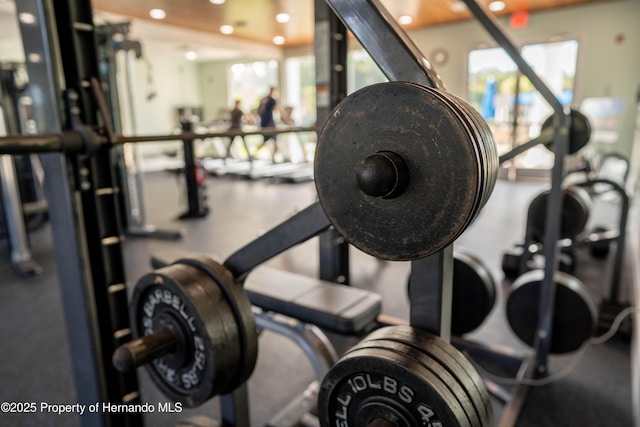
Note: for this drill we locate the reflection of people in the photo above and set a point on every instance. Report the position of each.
(236, 116)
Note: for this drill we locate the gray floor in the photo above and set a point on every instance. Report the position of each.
(35, 363)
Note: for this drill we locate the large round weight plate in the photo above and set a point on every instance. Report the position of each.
(371, 384)
(462, 371)
(575, 213)
(579, 134)
(474, 293)
(574, 313)
(216, 339)
(401, 170)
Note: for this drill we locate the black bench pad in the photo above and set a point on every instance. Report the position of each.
(335, 307)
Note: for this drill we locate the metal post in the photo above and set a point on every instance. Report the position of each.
(196, 196)
(431, 293)
(60, 50)
(330, 46)
(21, 258)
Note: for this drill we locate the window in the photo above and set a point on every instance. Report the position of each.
(495, 85)
(251, 81)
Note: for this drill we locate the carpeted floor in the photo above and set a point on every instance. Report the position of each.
(35, 361)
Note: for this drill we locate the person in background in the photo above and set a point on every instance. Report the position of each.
(236, 116)
(268, 105)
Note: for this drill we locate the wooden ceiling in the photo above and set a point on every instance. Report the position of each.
(254, 20)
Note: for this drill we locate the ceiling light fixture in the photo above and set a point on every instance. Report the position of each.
(405, 20)
(496, 6)
(457, 6)
(191, 55)
(27, 18)
(279, 40)
(226, 29)
(216, 1)
(283, 18)
(157, 13)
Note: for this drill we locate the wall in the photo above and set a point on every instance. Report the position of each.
(605, 67)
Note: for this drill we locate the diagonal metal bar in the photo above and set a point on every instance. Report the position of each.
(299, 228)
(390, 47)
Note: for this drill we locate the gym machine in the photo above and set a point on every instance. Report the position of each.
(20, 200)
(253, 168)
(194, 317)
(114, 48)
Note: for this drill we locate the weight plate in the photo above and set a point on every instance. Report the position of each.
(575, 313)
(575, 213)
(448, 356)
(418, 199)
(374, 383)
(211, 319)
(423, 357)
(579, 134)
(474, 293)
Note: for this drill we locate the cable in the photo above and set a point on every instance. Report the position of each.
(615, 325)
(570, 367)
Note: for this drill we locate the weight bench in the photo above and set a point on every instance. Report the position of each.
(314, 304)
(338, 308)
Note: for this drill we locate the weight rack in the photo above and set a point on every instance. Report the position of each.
(89, 194)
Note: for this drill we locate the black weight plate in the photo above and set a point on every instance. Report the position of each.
(211, 355)
(487, 146)
(474, 293)
(579, 134)
(448, 356)
(447, 171)
(576, 209)
(488, 151)
(424, 358)
(370, 384)
(575, 312)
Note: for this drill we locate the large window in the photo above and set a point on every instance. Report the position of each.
(509, 102)
(251, 81)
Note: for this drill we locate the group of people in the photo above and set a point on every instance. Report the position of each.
(268, 105)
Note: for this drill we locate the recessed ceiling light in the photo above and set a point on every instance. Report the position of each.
(405, 20)
(191, 55)
(226, 29)
(279, 40)
(27, 18)
(283, 18)
(216, 1)
(157, 13)
(496, 6)
(457, 6)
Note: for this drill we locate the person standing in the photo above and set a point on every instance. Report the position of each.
(268, 105)
(236, 116)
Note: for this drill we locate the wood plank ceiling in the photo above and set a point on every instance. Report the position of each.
(254, 20)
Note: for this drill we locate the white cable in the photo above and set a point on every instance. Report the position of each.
(570, 367)
(615, 325)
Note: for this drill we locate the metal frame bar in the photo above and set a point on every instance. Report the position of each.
(561, 122)
(330, 47)
(196, 196)
(82, 205)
